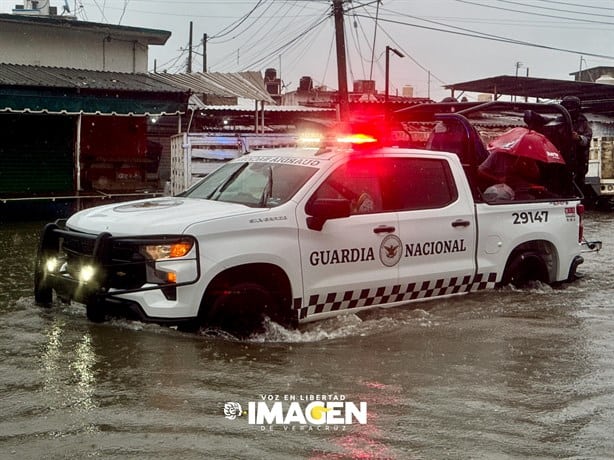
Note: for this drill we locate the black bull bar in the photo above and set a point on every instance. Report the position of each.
(86, 267)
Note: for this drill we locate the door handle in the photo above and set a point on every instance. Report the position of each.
(384, 229)
(461, 223)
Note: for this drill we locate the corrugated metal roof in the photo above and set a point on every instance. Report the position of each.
(55, 90)
(62, 77)
(249, 85)
(150, 36)
(196, 103)
(596, 97)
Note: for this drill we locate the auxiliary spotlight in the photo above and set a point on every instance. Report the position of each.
(52, 264)
(87, 273)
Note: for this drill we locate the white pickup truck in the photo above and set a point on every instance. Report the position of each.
(301, 234)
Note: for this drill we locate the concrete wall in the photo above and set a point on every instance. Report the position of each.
(62, 47)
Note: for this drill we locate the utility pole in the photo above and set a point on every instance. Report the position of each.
(428, 85)
(344, 108)
(204, 53)
(190, 50)
(518, 66)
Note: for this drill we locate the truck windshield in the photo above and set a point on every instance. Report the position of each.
(263, 185)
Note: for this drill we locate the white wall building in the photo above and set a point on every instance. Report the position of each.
(42, 38)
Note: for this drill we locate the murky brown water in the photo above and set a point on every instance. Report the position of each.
(507, 374)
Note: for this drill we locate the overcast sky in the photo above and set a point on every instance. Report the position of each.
(440, 38)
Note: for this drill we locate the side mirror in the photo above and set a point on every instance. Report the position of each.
(322, 209)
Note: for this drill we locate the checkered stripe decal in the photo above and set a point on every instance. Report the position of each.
(335, 301)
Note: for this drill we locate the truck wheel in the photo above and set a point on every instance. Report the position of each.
(43, 295)
(95, 311)
(524, 267)
(242, 309)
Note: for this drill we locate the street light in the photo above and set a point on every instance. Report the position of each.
(401, 55)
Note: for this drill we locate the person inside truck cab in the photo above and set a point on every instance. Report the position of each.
(452, 135)
(519, 173)
(357, 181)
(449, 136)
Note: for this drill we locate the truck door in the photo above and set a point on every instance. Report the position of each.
(437, 228)
(343, 265)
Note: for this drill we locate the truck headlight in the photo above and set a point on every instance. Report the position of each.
(86, 273)
(167, 251)
(52, 264)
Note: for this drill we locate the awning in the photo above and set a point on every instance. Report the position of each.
(71, 103)
(248, 85)
(35, 89)
(595, 97)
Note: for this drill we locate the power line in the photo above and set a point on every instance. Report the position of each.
(328, 58)
(589, 21)
(187, 14)
(356, 41)
(259, 47)
(310, 29)
(553, 9)
(268, 41)
(300, 50)
(175, 59)
(123, 11)
(411, 58)
(232, 27)
(405, 51)
(585, 6)
(474, 34)
(101, 11)
(254, 21)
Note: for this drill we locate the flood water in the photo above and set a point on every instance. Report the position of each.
(505, 374)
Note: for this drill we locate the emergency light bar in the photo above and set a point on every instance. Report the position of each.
(356, 139)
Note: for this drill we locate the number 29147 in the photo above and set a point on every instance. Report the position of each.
(530, 217)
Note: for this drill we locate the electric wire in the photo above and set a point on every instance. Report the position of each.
(267, 41)
(588, 21)
(328, 58)
(104, 18)
(576, 4)
(566, 4)
(300, 50)
(215, 39)
(283, 42)
(262, 41)
(552, 9)
(411, 58)
(123, 11)
(374, 39)
(474, 34)
(232, 27)
(310, 29)
(258, 40)
(398, 45)
(356, 42)
(171, 63)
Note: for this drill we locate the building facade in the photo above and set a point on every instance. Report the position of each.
(79, 110)
(55, 41)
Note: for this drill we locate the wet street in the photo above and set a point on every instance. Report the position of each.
(505, 374)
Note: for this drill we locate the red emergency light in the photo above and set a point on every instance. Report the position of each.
(357, 138)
